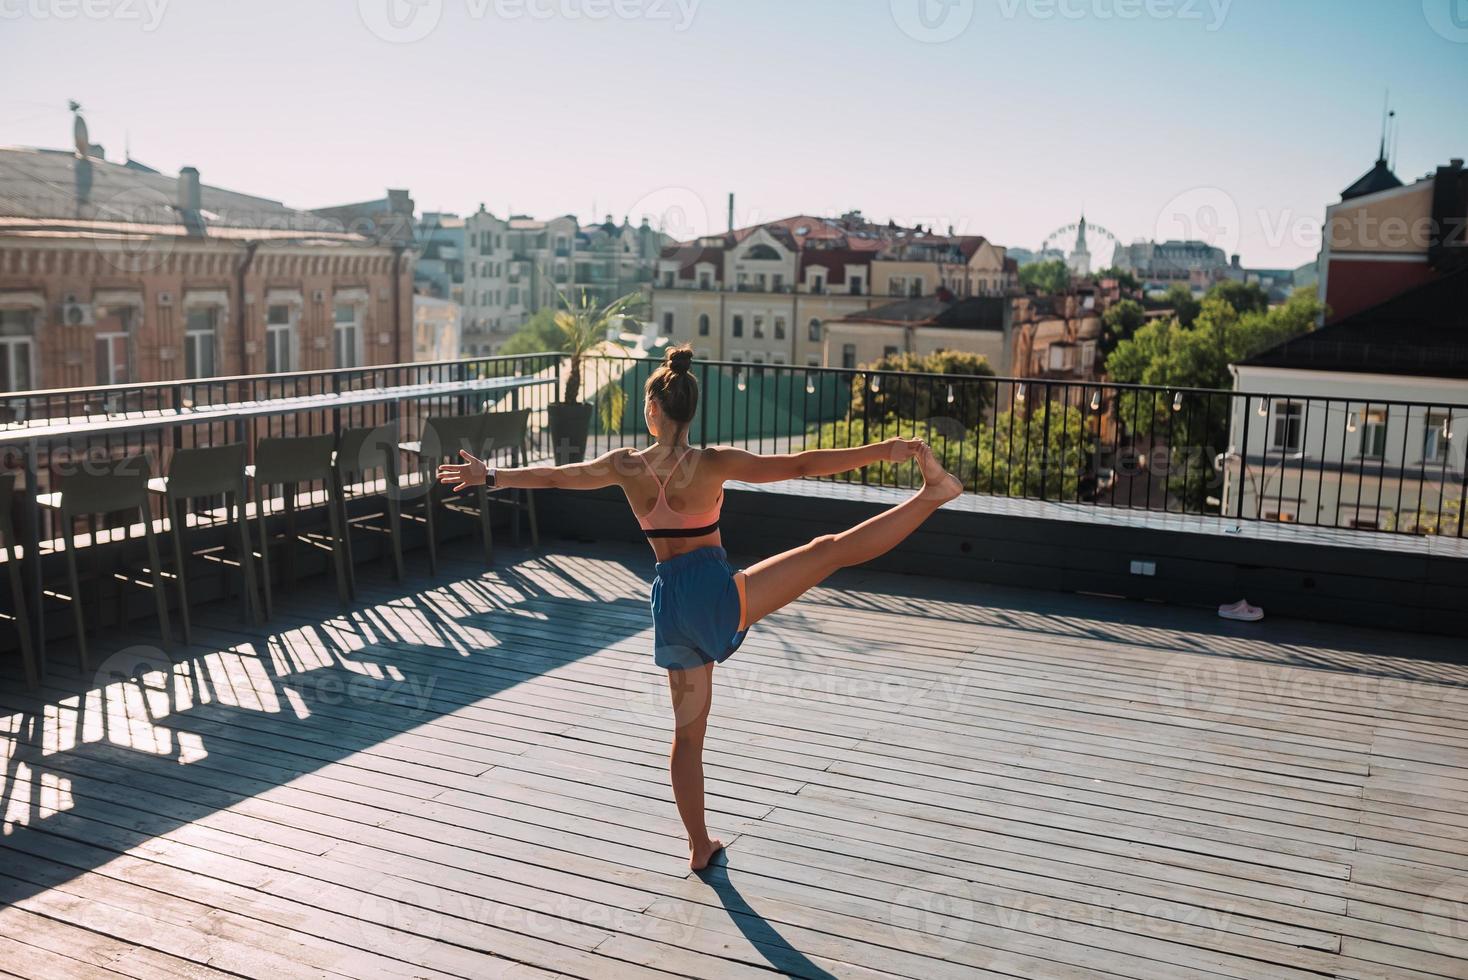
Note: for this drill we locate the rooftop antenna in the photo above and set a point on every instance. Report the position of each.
(1396, 136)
(1386, 116)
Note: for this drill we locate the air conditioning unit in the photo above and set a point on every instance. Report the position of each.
(318, 296)
(75, 314)
(165, 299)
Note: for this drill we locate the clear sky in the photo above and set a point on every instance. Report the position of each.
(1233, 120)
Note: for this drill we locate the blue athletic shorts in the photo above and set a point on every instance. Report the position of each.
(696, 608)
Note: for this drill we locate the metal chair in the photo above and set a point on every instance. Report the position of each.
(288, 462)
(213, 471)
(100, 487)
(360, 454)
(10, 543)
(443, 437)
(506, 432)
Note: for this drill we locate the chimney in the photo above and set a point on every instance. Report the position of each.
(188, 189)
(731, 211)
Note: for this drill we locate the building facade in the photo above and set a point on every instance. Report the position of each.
(436, 328)
(765, 293)
(514, 267)
(439, 271)
(976, 325)
(1158, 265)
(1385, 237)
(1373, 426)
(114, 273)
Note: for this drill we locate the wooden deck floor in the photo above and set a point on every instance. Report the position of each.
(916, 778)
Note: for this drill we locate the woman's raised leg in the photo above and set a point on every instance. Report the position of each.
(781, 579)
(692, 690)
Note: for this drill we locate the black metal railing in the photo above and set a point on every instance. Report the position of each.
(1334, 462)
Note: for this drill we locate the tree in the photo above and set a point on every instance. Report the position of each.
(1045, 277)
(1184, 305)
(1168, 354)
(912, 396)
(1244, 297)
(1039, 451)
(1119, 322)
(536, 335)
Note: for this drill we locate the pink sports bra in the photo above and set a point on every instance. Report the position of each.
(665, 522)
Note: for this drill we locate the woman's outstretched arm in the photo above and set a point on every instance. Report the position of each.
(604, 471)
(740, 464)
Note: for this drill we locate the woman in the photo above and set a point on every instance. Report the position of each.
(701, 606)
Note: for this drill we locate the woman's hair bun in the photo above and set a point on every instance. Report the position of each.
(678, 359)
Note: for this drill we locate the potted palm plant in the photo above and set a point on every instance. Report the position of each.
(584, 326)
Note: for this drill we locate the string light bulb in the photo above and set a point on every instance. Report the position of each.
(1351, 422)
(739, 380)
(950, 394)
(810, 384)
(1019, 394)
(1177, 401)
(874, 382)
(1096, 400)
(1264, 408)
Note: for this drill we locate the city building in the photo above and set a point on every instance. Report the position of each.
(1376, 408)
(1024, 256)
(925, 325)
(515, 266)
(1056, 336)
(1384, 237)
(113, 273)
(612, 260)
(1158, 265)
(440, 268)
(764, 293)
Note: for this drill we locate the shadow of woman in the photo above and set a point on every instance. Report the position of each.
(775, 948)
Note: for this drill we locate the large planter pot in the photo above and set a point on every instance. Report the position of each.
(570, 424)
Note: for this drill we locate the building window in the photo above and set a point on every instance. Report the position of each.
(777, 282)
(848, 356)
(759, 327)
(1288, 418)
(818, 286)
(757, 358)
(779, 328)
(703, 324)
(856, 285)
(16, 349)
(201, 334)
(278, 339)
(889, 351)
(1373, 434)
(897, 286)
(915, 288)
(514, 296)
(1435, 439)
(705, 281)
(113, 329)
(812, 360)
(814, 330)
(347, 335)
(738, 329)
(668, 323)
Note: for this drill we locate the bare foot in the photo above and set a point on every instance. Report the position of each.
(701, 856)
(938, 483)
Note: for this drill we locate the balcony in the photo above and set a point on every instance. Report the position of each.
(920, 769)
